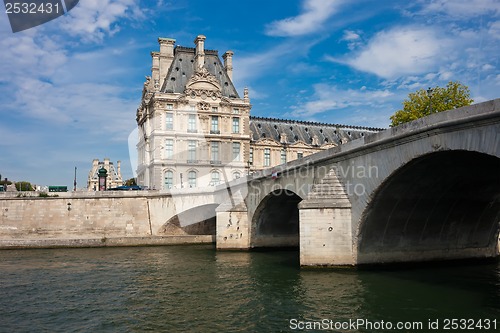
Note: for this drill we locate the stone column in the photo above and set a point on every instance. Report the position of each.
(325, 225)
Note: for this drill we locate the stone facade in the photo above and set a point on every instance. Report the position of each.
(114, 175)
(196, 131)
(278, 141)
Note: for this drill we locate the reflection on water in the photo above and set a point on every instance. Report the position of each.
(196, 289)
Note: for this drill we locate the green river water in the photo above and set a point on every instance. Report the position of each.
(197, 289)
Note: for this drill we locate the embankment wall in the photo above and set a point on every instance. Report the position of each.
(93, 219)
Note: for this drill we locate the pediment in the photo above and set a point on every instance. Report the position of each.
(203, 85)
(300, 144)
(203, 80)
(329, 145)
(268, 142)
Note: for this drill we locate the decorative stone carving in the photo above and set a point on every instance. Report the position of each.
(283, 138)
(183, 100)
(157, 105)
(204, 85)
(139, 114)
(245, 95)
(204, 75)
(203, 106)
(315, 140)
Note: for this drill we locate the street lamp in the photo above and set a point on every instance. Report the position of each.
(74, 182)
(429, 93)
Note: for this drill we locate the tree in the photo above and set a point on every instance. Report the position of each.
(422, 102)
(130, 182)
(24, 186)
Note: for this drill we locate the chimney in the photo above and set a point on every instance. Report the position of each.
(228, 63)
(118, 168)
(246, 99)
(166, 57)
(155, 70)
(199, 58)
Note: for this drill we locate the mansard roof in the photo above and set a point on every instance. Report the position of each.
(182, 69)
(295, 131)
(111, 171)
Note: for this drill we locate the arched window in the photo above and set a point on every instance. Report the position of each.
(192, 178)
(236, 175)
(169, 179)
(215, 178)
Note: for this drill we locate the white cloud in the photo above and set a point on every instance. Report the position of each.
(350, 35)
(352, 38)
(313, 16)
(446, 75)
(487, 67)
(92, 107)
(328, 98)
(462, 8)
(255, 64)
(44, 81)
(28, 55)
(94, 19)
(399, 51)
(494, 29)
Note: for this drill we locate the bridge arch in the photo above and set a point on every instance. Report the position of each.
(442, 205)
(275, 222)
(200, 220)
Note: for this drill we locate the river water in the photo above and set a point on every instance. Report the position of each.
(197, 289)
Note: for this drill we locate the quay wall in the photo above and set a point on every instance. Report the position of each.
(92, 219)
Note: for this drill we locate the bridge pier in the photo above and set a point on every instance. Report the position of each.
(233, 228)
(325, 225)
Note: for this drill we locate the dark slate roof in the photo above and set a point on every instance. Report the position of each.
(182, 69)
(111, 172)
(304, 131)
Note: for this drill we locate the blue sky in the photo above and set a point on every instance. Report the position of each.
(69, 89)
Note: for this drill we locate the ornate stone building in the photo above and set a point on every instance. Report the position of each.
(196, 131)
(114, 175)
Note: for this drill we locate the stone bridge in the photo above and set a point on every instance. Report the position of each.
(425, 190)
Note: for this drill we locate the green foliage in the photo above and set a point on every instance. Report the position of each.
(420, 104)
(24, 186)
(46, 195)
(130, 182)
